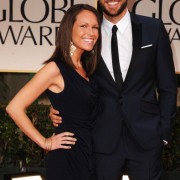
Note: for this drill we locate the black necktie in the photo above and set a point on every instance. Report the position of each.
(115, 58)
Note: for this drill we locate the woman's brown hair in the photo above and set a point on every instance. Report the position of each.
(89, 58)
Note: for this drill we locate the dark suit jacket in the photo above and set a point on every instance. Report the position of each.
(148, 116)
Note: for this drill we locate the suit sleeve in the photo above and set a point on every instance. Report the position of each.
(166, 82)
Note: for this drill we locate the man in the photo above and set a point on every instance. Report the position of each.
(137, 113)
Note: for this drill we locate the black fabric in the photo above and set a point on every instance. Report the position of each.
(129, 158)
(76, 105)
(115, 58)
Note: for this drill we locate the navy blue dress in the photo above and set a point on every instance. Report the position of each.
(76, 105)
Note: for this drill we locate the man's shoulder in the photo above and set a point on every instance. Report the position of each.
(144, 19)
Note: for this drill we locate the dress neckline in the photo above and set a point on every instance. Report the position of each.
(81, 77)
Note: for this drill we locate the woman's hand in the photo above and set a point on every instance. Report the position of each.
(60, 141)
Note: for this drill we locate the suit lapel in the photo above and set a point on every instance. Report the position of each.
(103, 70)
(137, 41)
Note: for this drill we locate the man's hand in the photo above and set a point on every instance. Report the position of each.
(54, 116)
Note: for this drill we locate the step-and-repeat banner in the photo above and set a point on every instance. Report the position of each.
(28, 28)
(169, 12)
(27, 31)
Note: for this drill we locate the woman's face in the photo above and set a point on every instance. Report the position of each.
(85, 31)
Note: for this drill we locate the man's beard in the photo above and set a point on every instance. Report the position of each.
(120, 10)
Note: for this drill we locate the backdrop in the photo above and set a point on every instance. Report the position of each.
(27, 31)
(169, 12)
(28, 28)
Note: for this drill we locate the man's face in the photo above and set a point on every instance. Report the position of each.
(112, 8)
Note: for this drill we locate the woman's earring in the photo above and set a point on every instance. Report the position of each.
(72, 48)
(92, 52)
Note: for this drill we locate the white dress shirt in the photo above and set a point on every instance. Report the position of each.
(124, 36)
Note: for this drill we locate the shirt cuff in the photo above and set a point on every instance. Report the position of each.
(165, 142)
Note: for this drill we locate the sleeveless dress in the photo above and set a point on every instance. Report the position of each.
(76, 104)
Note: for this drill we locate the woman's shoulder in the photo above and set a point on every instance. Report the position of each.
(50, 69)
(55, 68)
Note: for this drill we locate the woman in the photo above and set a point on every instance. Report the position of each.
(66, 78)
